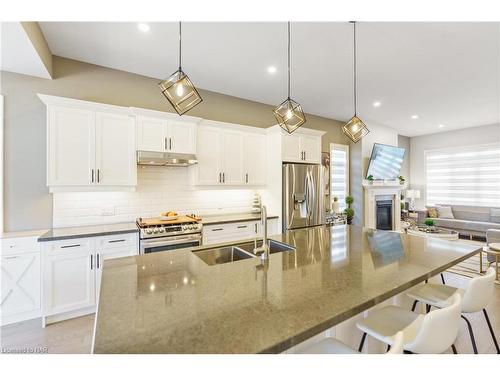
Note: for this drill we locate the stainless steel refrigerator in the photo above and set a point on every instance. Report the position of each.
(303, 196)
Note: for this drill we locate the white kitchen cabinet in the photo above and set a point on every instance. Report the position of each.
(71, 146)
(237, 231)
(20, 295)
(72, 270)
(165, 135)
(68, 276)
(91, 146)
(301, 147)
(230, 157)
(115, 150)
(209, 167)
(255, 157)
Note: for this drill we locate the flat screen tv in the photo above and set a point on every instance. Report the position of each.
(385, 162)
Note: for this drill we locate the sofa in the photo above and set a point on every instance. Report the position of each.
(471, 220)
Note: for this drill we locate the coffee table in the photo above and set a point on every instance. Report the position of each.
(492, 249)
(446, 234)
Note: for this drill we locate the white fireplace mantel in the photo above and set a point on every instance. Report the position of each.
(382, 188)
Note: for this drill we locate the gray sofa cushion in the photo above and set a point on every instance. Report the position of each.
(475, 226)
(495, 215)
(472, 213)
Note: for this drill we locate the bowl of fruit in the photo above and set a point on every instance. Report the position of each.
(169, 215)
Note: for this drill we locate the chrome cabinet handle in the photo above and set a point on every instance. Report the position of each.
(12, 257)
(92, 175)
(217, 229)
(98, 256)
(220, 177)
(170, 141)
(112, 241)
(91, 261)
(166, 147)
(223, 177)
(304, 155)
(98, 176)
(247, 178)
(242, 226)
(68, 246)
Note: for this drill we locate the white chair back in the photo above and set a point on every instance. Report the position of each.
(479, 292)
(439, 329)
(397, 347)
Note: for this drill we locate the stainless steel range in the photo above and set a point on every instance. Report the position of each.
(160, 235)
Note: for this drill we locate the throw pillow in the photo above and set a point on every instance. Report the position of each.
(445, 212)
(495, 215)
(432, 212)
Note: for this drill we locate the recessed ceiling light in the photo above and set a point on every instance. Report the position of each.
(440, 126)
(414, 117)
(271, 69)
(377, 104)
(144, 27)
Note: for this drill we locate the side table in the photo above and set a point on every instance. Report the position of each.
(491, 249)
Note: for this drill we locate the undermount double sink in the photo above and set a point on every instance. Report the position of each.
(228, 254)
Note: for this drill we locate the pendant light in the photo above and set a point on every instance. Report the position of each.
(289, 114)
(355, 129)
(178, 88)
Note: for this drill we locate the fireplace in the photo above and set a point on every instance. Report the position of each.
(384, 214)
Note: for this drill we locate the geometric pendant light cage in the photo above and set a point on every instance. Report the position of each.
(179, 89)
(289, 114)
(355, 129)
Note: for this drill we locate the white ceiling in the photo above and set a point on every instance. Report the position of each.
(446, 73)
(17, 53)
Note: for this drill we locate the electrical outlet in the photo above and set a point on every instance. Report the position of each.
(108, 211)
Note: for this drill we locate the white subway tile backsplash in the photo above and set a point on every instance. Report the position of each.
(159, 189)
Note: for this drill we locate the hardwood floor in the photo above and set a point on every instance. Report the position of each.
(75, 335)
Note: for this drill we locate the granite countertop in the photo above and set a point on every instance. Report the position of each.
(56, 234)
(232, 218)
(172, 302)
(29, 233)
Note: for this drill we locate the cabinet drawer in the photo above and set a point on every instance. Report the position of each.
(68, 246)
(19, 245)
(128, 240)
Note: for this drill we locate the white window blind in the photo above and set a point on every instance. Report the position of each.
(467, 175)
(339, 173)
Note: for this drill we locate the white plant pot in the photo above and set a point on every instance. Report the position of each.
(335, 207)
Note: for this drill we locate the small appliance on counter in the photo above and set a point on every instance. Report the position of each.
(158, 234)
(256, 204)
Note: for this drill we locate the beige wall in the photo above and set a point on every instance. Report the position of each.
(28, 204)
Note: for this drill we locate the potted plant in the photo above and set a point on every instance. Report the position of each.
(401, 180)
(349, 212)
(370, 179)
(335, 205)
(429, 222)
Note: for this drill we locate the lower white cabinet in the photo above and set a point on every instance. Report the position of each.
(20, 278)
(72, 269)
(242, 230)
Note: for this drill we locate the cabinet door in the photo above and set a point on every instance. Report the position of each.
(20, 284)
(208, 169)
(254, 153)
(68, 281)
(291, 150)
(311, 145)
(152, 134)
(182, 137)
(106, 254)
(115, 150)
(232, 158)
(71, 147)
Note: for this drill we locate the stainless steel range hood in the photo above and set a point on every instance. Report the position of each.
(168, 159)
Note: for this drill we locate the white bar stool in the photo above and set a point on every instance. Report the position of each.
(475, 298)
(430, 333)
(333, 346)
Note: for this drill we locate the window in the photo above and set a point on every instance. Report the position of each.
(466, 175)
(339, 172)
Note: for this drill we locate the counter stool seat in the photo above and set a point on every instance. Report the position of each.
(437, 295)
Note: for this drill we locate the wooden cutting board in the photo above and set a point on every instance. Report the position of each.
(178, 220)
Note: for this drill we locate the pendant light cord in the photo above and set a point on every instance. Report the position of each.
(180, 44)
(355, 71)
(288, 59)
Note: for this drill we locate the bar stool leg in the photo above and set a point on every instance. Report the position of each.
(414, 305)
(360, 349)
(472, 339)
(442, 278)
(454, 349)
(491, 330)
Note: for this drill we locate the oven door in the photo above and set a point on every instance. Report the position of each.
(154, 245)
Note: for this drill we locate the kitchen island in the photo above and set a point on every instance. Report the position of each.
(173, 302)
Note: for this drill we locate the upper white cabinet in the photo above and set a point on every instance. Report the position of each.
(91, 146)
(165, 132)
(302, 146)
(231, 155)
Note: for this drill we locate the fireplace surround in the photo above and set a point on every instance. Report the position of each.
(382, 205)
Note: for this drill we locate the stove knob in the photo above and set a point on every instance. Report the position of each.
(191, 227)
(155, 230)
(149, 231)
(161, 230)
